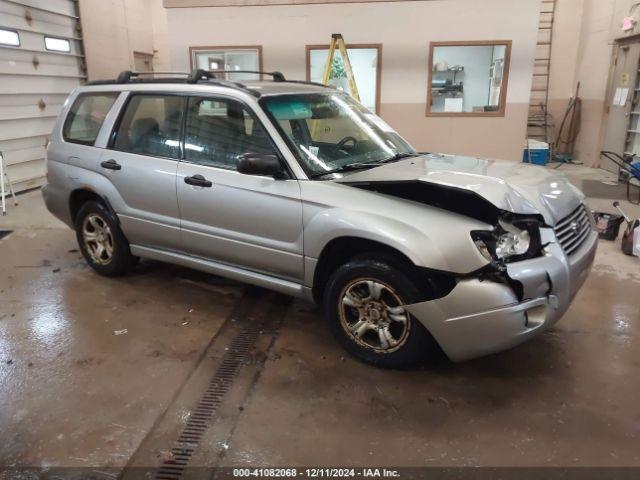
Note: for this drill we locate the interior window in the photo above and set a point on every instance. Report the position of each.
(86, 116)
(365, 62)
(220, 130)
(151, 126)
(468, 79)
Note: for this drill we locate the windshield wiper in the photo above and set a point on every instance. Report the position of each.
(399, 156)
(361, 165)
(346, 168)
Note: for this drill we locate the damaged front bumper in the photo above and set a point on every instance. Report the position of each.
(479, 317)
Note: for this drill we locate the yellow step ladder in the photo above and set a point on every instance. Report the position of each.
(337, 41)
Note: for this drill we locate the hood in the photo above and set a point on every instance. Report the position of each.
(511, 186)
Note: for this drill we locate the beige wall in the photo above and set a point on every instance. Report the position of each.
(405, 30)
(114, 29)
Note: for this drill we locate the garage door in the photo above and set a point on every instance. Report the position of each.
(41, 61)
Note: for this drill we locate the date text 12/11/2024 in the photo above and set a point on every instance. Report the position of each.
(315, 473)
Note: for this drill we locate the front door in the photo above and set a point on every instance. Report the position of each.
(622, 131)
(141, 163)
(254, 222)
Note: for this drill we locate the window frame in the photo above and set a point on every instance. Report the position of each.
(223, 98)
(201, 49)
(53, 37)
(68, 117)
(183, 127)
(352, 46)
(502, 105)
(12, 30)
(116, 125)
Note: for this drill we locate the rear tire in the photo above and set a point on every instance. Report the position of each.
(101, 241)
(362, 304)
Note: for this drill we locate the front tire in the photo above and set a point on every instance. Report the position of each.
(101, 241)
(363, 306)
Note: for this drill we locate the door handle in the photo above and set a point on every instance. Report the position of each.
(198, 181)
(111, 165)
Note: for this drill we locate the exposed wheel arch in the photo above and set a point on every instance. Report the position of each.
(340, 250)
(83, 195)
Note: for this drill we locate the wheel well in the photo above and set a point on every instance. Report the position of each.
(79, 198)
(340, 250)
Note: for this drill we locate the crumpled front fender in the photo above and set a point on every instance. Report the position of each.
(481, 317)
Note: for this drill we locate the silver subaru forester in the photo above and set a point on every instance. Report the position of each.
(296, 187)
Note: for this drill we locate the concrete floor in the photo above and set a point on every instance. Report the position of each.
(98, 372)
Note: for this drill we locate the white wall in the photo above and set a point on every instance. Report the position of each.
(475, 77)
(405, 30)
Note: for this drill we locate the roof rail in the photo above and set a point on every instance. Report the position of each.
(198, 74)
(126, 75)
(306, 82)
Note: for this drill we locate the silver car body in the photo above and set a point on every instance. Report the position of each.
(272, 232)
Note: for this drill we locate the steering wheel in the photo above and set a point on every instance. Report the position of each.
(342, 143)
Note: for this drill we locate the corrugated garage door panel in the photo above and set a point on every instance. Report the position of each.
(65, 8)
(35, 82)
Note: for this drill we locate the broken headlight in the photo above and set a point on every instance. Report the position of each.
(510, 241)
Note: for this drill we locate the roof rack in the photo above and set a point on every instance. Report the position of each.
(127, 75)
(198, 74)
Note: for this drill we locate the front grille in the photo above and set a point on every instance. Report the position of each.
(573, 229)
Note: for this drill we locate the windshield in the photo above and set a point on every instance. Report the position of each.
(332, 132)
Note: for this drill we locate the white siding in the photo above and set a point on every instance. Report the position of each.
(34, 82)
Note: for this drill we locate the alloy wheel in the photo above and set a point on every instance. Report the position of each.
(98, 239)
(371, 313)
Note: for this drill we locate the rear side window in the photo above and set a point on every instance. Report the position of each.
(86, 116)
(151, 126)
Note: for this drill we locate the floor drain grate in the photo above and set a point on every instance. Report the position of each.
(206, 408)
(4, 233)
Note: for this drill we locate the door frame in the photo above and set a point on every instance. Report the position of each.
(146, 54)
(184, 163)
(619, 44)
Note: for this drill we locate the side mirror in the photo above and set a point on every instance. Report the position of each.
(261, 164)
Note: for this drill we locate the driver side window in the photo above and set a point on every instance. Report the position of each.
(219, 130)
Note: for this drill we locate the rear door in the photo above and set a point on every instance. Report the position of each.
(80, 130)
(254, 222)
(141, 163)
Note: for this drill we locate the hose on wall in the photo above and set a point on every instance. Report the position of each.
(569, 129)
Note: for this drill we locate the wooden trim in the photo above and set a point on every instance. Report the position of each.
(227, 47)
(503, 88)
(377, 46)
